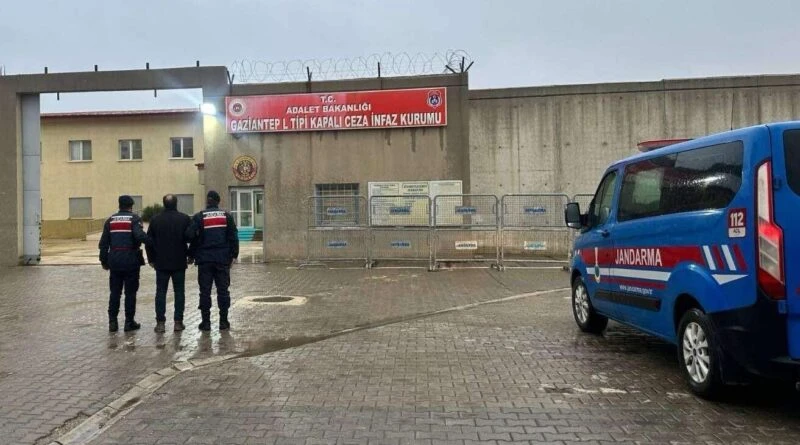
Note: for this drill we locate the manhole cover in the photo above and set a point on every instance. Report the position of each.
(272, 299)
(289, 300)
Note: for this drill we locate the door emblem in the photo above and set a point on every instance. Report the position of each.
(596, 266)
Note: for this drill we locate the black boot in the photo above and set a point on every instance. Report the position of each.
(131, 325)
(113, 326)
(160, 327)
(205, 325)
(224, 324)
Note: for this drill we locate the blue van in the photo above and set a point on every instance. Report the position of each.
(698, 243)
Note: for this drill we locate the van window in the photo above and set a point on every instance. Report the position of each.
(791, 150)
(705, 178)
(600, 209)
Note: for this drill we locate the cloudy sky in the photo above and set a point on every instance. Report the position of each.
(513, 43)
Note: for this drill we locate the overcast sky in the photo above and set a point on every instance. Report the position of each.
(513, 43)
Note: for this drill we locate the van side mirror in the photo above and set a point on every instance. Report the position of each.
(572, 215)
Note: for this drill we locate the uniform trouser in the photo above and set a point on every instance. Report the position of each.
(178, 286)
(220, 275)
(129, 280)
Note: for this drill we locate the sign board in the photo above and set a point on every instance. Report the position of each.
(353, 110)
(399, 210)
(535, 245)
(466, 245)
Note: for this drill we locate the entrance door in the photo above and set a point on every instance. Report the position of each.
(247, 207)
(258, 205)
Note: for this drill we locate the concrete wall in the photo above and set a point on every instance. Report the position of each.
(106, 177)
(291, 164)
(560, 139)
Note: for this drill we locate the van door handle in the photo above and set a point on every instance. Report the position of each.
(604, 233)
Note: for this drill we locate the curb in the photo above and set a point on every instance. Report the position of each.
(108, 415)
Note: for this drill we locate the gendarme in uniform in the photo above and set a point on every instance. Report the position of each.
(214, 245)
(120, 253)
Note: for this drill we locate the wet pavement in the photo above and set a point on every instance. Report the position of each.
(516, 372)
(363, 357)
(59, 365)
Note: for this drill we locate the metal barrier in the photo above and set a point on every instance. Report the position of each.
(456, 228)
(337, 229)
(400, 228)
(465, 229)
(532, 229)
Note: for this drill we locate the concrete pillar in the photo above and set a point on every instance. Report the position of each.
(31, 179)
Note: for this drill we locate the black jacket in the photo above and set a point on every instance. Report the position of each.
(168, 248)
(119, 245)
(214, 237)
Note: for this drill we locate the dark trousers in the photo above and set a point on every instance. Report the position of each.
(220, 275)
(129, 280)
(178, 286)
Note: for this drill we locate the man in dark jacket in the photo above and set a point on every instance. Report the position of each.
(123, 234)
(214, 247)
(167, 253)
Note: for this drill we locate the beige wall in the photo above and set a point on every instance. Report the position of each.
(105, 177)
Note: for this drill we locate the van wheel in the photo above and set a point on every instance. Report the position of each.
(583, 311)
(697, 354)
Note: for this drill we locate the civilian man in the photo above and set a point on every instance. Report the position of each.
(167, 253)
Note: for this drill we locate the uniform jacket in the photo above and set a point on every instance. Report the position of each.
(214, 237)
(168, 249)
(120, 243)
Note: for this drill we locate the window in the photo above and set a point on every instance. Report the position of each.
(600, 208)
(80, 208)
(185, 204)
(137, 204)
(182, 148)
(791, 151)
(642, 185)
(337, 204)
(130, 149)
(705, 178)
(80, 150)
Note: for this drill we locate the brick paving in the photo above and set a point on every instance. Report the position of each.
(58, 362)
(515, 372)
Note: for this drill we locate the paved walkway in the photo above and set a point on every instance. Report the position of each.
(500, 373)
(517, 372)
(58, 363)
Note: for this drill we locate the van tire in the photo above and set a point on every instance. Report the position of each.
(586, 317)
(697, 346)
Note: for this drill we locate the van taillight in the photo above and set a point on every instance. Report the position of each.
(770, 237)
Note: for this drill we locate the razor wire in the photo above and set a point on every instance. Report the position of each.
(380, 64)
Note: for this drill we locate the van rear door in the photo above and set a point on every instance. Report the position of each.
(785, 262)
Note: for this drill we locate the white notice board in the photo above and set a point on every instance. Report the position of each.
(381, 216)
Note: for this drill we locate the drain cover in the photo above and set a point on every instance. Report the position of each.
(272, 299)
(288, 300)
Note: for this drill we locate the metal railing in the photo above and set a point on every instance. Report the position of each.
(337, 229)
(465, 229)
(400, 228)
(532, 230)
(514, 231)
